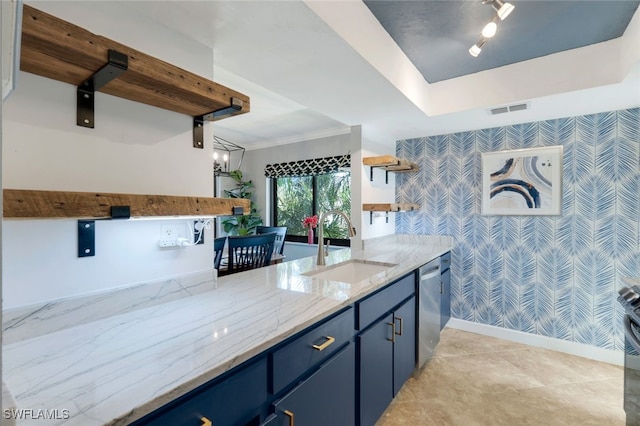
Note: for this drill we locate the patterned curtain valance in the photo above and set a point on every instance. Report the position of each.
(316, 166)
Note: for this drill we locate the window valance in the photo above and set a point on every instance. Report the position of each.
(312, 167)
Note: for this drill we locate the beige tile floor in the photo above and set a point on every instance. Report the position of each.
(480, 380)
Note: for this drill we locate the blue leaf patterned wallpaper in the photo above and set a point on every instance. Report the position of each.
(555, 276)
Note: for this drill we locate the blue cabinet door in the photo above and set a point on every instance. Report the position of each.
(234, 400)
(327, 397)
(445, 301)
(376, 370)
(404, 348)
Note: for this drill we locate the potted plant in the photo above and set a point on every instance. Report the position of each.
(242, 224)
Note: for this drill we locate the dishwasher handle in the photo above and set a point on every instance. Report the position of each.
(631, 336)
(429, 273)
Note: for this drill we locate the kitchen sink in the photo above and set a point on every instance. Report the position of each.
(351, 271)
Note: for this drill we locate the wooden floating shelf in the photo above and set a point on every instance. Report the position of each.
(35, 204)
(388, 207)
(62, 51)
(389, 163)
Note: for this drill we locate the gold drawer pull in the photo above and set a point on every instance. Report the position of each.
(322, 347)
(401, 326)
(205, 421)
(290, 415)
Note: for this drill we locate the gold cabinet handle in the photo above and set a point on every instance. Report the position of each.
(393, 332)
(290, 415)
(205, 421)
(401, 326)
(325, 345)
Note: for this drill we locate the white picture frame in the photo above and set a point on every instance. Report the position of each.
(522, 182)
(11, 16)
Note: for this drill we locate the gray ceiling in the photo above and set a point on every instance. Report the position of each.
(435, 35)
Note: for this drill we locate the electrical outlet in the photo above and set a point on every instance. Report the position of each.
(171, 233)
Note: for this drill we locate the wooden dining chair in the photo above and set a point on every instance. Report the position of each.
(218, 247)
(281, 233)
(250, 252)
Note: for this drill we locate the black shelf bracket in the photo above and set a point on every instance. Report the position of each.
(85, 94)
(120, 212)
(86, 238)
(87, 230)
(198, 132)
(386, 217)
(386, 172)
(235, 105)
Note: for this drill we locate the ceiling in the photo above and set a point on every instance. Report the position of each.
(400, 69)
(435, 35)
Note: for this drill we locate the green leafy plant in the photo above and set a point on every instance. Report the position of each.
(243, 224)
(295, 201)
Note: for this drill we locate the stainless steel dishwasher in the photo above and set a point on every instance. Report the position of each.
(428, 310)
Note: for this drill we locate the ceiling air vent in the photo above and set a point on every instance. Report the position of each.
(510, 108)
(519, 107)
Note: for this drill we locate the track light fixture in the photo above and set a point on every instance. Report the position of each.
(502, 10)
(490, 29)
(477, 48)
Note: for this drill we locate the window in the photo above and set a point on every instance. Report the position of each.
(300, 196)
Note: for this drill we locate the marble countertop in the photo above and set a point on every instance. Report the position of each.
(120, 368)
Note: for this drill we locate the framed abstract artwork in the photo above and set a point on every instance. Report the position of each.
(522, 182)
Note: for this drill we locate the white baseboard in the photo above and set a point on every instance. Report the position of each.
(573, 348)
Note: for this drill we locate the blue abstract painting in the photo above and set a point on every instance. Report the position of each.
(522, 181)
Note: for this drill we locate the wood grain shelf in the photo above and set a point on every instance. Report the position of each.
(62, 51)
(36, 204)
(389, 163)
(387, 207)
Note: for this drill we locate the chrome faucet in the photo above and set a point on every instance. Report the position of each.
(350, 228)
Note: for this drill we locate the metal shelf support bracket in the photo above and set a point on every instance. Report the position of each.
(117, 64)
(198, 122)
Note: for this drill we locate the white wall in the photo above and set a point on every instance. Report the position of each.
(356, 185)
(376, 191)
(134, 148)
(256, 160)
(41, 264)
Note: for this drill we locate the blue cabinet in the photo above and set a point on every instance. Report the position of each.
(327, 397)
(445, 289)
(387, 359)
(305, 351)
(404, 347)
(376, 370)
(323, 375)
(235, 399)
(387, 348)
